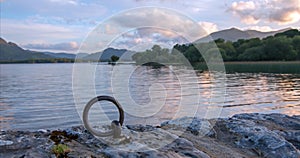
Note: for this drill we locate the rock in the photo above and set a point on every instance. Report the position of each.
(178, 148)
(184, 148)
(250, 135)
(25, 144)
(141, 128)
(194, 125)
(58, 136)
(141, 138)
(5, 142)
(243, 135)
(273, 121)
(43, 130)
(293, 136)
(286, 126)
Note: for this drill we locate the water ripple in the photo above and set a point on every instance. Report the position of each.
(32, 98)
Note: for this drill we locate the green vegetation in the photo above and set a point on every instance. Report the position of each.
(283, 46)
(61, 150)
(157, 56)
(114, 58)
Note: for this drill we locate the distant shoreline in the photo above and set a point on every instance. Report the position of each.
(226, 62)
(262, 62)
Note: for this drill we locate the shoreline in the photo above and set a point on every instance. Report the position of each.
(225, 62)
(242, 135)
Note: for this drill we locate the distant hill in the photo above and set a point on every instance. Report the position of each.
(81, 55)
(12, 52)
(108, 53)
(234, 34)
(60, 55)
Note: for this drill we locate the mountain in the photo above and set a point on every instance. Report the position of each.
(60, 55)
(81, 55)
(234, 34)
(108, 53)
(12, 52)
(66, 55)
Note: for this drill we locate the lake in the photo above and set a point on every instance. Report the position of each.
(40, 96)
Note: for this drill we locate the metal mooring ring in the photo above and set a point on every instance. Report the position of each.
(86, 112)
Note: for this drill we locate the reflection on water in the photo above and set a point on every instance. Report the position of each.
(35, 96)
(263, 93)
(278, 67)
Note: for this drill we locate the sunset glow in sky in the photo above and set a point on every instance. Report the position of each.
(61, 25)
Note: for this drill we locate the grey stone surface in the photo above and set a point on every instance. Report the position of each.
(286, 126)
(265, 142)
(243, 135)
(25, 144)
(179, 148)
(194, 125)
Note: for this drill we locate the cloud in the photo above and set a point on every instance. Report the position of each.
(73, 2)
(246, 11)
(290, 15)
(191, 7)
(242, 6)
(28, 32)
(281, 12)
(209, 27)
(260, 28)
(70, 46)
(67, 11)
(141, 26)
(160, 18)
(144, 38)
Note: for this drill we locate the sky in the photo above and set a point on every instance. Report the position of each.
(63, 25)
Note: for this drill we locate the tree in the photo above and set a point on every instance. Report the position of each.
(252, 54)
(114, 58)
(296, 45)
(289, 33)
(245, 44)
(192, 54)
(227, 50)
(283, 46)
(279, 48)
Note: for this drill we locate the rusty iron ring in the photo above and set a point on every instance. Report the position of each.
(89, 105)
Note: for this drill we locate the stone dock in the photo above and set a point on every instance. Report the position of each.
(241, 136)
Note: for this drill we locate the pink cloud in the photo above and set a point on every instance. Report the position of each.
(281, 12)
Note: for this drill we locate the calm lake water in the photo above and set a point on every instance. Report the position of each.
(40, 96)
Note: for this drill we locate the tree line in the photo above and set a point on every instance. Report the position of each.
(283, 46)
